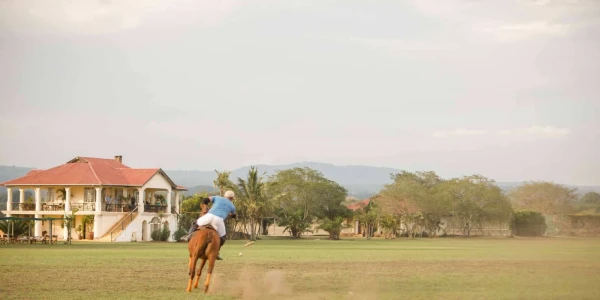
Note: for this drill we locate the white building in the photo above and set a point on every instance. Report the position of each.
(123, 202)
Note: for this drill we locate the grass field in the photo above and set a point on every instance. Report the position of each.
(442, 268)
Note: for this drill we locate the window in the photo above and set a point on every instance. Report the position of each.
(49, 197)
(89, 195)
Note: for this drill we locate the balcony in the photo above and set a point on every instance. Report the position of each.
(155, 208)
(84, 206)
(23, 206)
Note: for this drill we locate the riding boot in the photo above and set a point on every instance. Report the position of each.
(222, 242)
(186, 237)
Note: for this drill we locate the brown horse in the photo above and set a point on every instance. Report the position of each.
(204, 244)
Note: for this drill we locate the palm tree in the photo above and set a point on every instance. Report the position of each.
(222, 182)
(252, 201)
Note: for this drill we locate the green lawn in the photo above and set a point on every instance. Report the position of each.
(441, 268)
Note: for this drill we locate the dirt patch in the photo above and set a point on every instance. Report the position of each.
(252, 284)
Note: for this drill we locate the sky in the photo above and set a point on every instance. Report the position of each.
(505, 89)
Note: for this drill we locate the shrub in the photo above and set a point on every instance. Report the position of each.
(165, 233)
(179, 234)
(161, 234)
(155, 235)
(528, 223)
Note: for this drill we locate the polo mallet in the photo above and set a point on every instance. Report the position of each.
(248, 243)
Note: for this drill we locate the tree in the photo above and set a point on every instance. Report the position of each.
(302, 195)
(475, 200)
(413, 197)
(252, 203)
(544, 197)
(590, 201)
(333, 227)
(69, 220)
(368, 217)
(222, 182)
(16, 227)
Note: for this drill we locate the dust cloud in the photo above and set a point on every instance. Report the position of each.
(254, 284)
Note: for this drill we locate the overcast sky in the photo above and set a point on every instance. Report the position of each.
(509, 89)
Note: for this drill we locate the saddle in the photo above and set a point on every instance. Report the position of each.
(207, 226)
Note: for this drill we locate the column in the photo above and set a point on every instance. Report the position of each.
(141, 200)
(97, 219)
(9, 201)
(177, 201)
(67, 199)
(168, 201)
(38, 199)
(98, 213)
(38, 207)
(125, 203)
(98, 200)
(21, 198)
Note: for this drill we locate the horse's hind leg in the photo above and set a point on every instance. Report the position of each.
(193, 260)
(211, 265)
(199, 272)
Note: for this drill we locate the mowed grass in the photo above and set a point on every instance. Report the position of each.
(440, 268)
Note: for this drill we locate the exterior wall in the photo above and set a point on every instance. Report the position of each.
(133, 232)
(157, 182)
(107, 221)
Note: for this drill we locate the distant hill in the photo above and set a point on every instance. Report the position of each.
(200, 189)
(360, 181)
(12, 172)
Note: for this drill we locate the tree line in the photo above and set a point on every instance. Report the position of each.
(414, 204)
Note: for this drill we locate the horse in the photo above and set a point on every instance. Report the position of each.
(204, 244)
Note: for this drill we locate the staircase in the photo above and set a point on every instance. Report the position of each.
(116, 229)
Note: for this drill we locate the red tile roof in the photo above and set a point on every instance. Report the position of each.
(33, 172)
(358, 205)
(90, 171)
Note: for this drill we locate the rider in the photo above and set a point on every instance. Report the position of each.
(222, 208)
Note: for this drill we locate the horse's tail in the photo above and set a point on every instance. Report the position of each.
(204, 241)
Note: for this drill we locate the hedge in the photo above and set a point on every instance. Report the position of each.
(528, 223)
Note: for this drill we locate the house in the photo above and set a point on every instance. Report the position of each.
(352, 226)
(118, 201)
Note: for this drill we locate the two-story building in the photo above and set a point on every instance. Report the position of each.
(112, 201)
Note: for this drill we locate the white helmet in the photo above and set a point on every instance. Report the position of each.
(229, 194)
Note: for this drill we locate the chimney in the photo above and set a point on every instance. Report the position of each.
(119, 158)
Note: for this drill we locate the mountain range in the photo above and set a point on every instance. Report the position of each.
(360, 181)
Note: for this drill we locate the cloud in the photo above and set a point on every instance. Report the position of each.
(548, 131)
(533, 131)
(517, 32)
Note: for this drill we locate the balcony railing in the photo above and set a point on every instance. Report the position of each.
(56, 206)
(155, 208)
(23, 206)
(118, 207)
(85, 206)
(88, 206)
